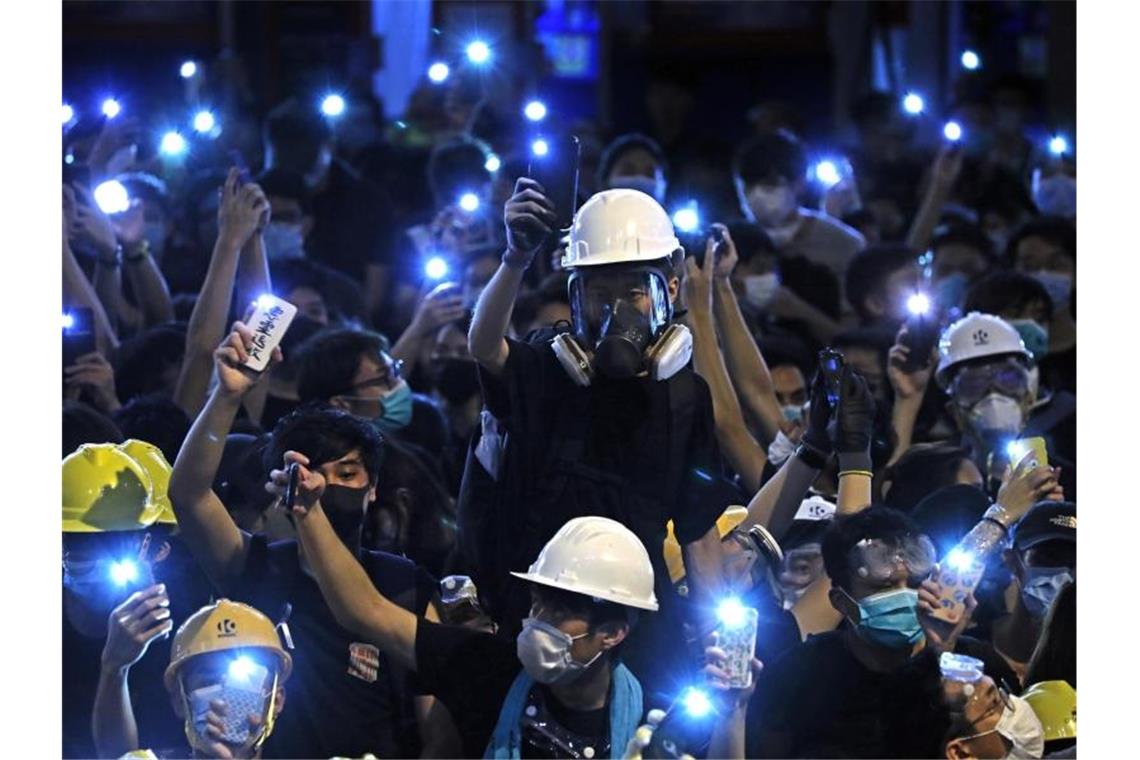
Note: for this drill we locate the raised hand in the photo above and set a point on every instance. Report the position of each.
(310, 484)
(529, 217)
(134, 624)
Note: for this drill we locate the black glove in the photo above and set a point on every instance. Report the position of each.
(854, 422)
(815, 438)
(530, 218)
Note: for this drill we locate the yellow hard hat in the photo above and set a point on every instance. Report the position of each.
(1055, 703)
(222, 626)
(674, 561)
(154, 462)
(105, 489)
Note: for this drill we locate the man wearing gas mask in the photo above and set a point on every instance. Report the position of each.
(608, 418)
(354, 700)
(986, 370)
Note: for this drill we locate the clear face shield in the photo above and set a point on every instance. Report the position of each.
(245, 681)
(619, 312)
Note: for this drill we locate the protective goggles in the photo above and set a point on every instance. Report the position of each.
(1000, 705)
(972, 384)
(388, 379)
(880, 560)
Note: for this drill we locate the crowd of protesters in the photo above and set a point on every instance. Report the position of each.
(508, 458)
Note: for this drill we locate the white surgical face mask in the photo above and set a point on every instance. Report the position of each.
(651, 186)
(759, 289)
(997, 415)
(544, 652)
(1019, 724)
(771, 206)
(780, 449)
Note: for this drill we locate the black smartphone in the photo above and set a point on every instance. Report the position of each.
(236, 159)
(78, 335)
(557, 171)
(694, 244)
(921, 335)
(291, 488)
(831, 365)
(683, 731)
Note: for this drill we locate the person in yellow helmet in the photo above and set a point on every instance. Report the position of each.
(225, 680)
(1055, 704)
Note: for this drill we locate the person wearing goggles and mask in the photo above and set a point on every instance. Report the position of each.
(1042, 559)
(882, 664)
(558, 688)
(607, 417)
(355, 699)
(987, 721)
(225, 681)
(984, 367)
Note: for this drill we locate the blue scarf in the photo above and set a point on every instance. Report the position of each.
(625, 714)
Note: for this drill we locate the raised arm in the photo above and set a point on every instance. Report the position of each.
(77, 292)
(239, 214)
(855, 420)
(145, 278)
(745, 363)
(944, 174)
(528, 216)
(133, 625)
(910, 389)
(203, 521)
(442, 305)
(354, 601)
(743, 453)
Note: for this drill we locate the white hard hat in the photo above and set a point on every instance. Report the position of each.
(620, 227)
(976, 336)
(597, 557)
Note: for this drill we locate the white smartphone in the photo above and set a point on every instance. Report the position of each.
(271, 318)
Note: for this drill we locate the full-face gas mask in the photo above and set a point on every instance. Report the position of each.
(621, 320)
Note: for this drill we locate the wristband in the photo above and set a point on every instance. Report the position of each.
(115, 259)
(850, 461)
(996, 513)
(998, 523)
(811, 456)
(868, 473)
(140, 252)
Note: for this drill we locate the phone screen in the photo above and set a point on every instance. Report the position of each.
(557, 172)
(78, 335)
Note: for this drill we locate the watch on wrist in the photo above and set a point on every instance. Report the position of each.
(138, 252)
(113, 260)
(811, 456)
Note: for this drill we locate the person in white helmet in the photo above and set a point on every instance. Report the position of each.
(606, 417)
(985, 369)
(559, 689)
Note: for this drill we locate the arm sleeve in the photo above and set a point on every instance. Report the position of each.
(509, 395)
(705, 492)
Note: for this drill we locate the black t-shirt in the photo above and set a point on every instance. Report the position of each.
(352, 225)
(343, 698)
(819, 701)
(638, 451)
(471, 672)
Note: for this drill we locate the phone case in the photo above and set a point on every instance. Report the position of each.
(739, 643)
(269, 322)
(956, 586)
(243, 697)
(1040, 453)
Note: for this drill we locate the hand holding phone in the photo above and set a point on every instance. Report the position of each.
(557, 171)
(831, 367)
(271, 318)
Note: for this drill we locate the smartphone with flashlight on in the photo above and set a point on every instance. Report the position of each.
(831, 367)
(291, 488)
(244, 690)
(959, 573)
(921, 335)
(736, 635)
(556, 169)
(1035, 448)
(238, 160)
(78, 335)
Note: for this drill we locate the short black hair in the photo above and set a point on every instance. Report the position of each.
(770, 156)
(869, 270)
(457, 164)
(1005, 289)
(845, 531)
(922, 470)
(625, 143)
(291, 124)
(1055, 229)
(156, 419)
(85, 424)
(963, 234)
(324, 433)
(327, 362)
(563, 604)
(285, 183)
(140, 360)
